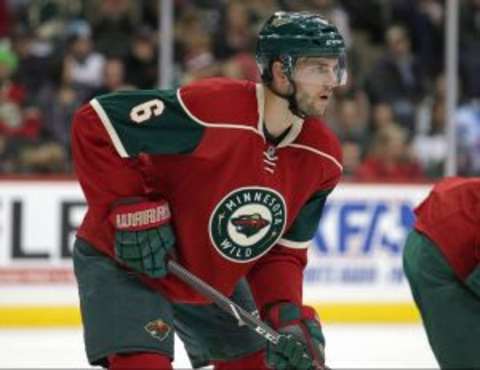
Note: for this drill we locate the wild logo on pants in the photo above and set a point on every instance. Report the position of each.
(158, 329)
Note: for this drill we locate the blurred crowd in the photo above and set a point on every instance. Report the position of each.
(57, 54)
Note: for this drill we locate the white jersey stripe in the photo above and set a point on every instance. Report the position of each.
(293, 244)
(319, 152)
(214, 125)
(260, 94)
(110, 129)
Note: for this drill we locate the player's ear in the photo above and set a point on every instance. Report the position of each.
(280, 79)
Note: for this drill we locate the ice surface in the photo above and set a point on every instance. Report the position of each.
(348, 346)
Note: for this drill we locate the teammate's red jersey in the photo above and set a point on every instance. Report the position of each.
(450, 217)
(240, 205)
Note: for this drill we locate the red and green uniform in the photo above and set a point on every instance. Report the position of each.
(442, 264)
(450, 217)
(240, 206)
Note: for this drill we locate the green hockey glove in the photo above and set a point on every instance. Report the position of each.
(143, 235)
(301, 345)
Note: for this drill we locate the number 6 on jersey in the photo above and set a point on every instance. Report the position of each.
(144, 111)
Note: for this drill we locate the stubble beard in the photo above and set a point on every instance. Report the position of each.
(306, 105)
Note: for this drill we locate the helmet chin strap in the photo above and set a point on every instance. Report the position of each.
(291, 98)
(293, 102)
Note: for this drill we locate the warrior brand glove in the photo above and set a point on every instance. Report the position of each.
(301, 345)
(143, 235)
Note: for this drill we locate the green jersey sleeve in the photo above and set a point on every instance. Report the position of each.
(306, 223)
(147, 121)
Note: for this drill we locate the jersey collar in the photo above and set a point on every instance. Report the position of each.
(296, 127)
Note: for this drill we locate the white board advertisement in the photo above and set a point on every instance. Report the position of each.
(355, 255)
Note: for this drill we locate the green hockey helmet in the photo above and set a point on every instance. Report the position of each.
(286, 36)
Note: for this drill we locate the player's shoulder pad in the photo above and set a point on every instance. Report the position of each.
(319, 139)
(456, 183)
(465, 190)
(221, 101)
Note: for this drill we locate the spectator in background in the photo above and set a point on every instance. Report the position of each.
(242, 66)
(350, 125)
(49, 18)
(199, 61)
(58, 100)
(352, 91)
(382, 116)
(235, 34)
(397, 78)
(430, 141)
(21, 128)
(390, 158)
(17, 120)
(58, 106)
(83, 67)
(469, 47)
(141, 63)
(368, 17)
(197, 58)
(46, 158)
(261, 10)
(58, 103)
(113, 77)
(431, 148)
(425, 108)
(34, 61)
(367, 21)
(113, 23)
(468, 145)
(352, 158)
(424, 20)
(430, 32)
(149, 11)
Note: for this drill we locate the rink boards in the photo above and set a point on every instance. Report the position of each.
(354, 272)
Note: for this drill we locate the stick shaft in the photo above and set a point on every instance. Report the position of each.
(224, 302)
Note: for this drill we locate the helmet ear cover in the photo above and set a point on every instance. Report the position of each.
(287, 62)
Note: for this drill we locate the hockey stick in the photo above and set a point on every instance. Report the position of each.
(226, 304)
(243, 317)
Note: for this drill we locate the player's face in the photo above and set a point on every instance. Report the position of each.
(315, 78)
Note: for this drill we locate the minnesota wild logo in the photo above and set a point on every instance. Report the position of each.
(247, 222)
(158, 329)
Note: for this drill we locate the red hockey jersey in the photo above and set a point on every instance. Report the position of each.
(450, 217)
(240, 205)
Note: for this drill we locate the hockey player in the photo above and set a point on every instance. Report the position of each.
(227, 177)
(442, 264)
